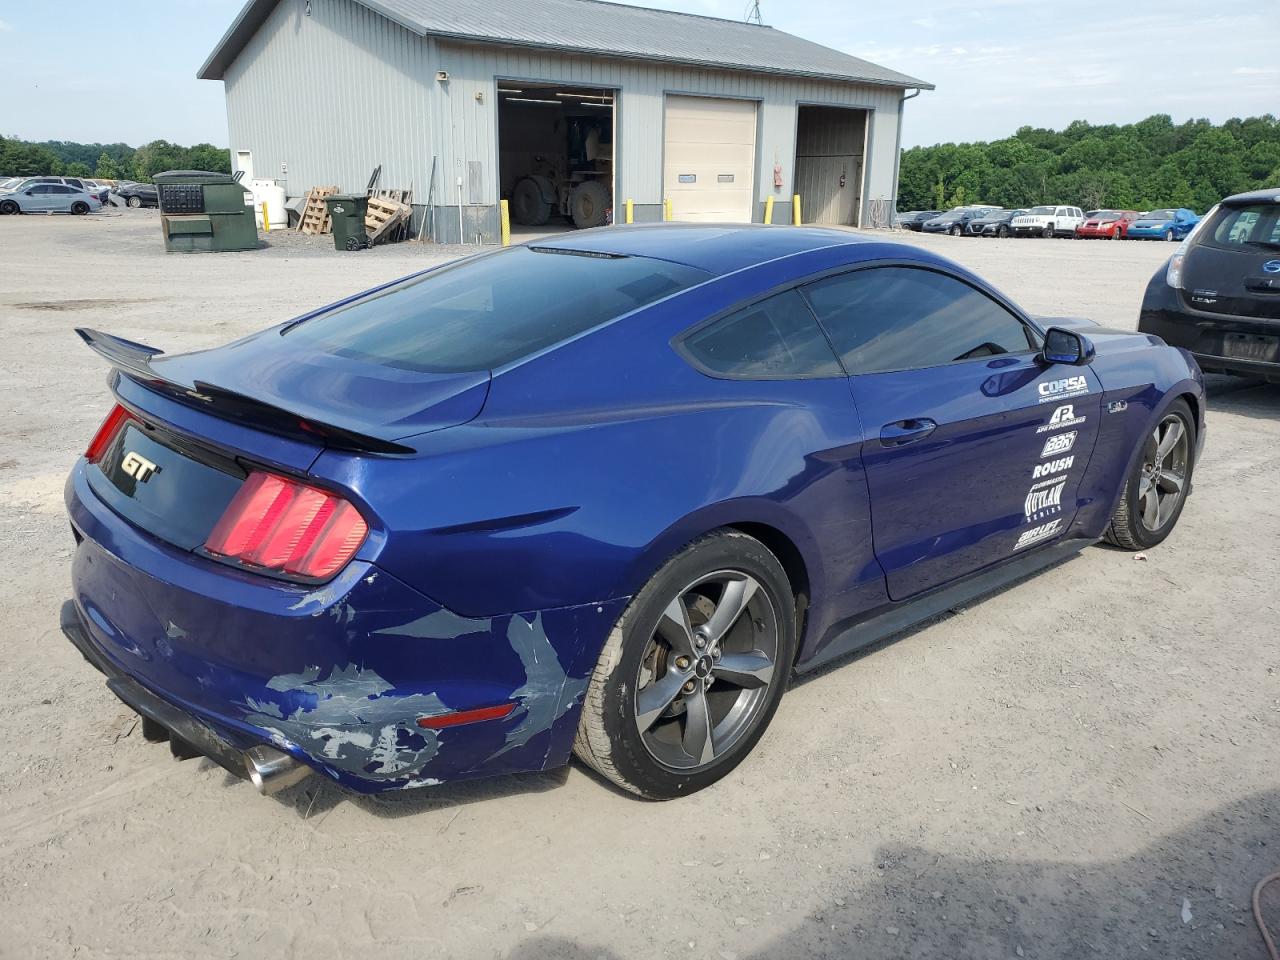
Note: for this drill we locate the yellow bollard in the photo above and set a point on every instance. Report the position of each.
(768, 210)
(795, 210)
(266, 220)
(666, 208)
(506, 223)
(630, 213)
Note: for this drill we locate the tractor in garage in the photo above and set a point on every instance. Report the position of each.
(577, 185)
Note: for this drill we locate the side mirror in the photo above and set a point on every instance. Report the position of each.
(1066, 346)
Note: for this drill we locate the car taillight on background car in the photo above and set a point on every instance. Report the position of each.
(288, 527)
(106, 433)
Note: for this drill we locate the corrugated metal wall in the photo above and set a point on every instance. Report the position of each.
(336, 93)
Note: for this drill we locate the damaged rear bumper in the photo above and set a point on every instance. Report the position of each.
(338, 677)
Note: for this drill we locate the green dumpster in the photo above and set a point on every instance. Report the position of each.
(347, 211)
(200, 210)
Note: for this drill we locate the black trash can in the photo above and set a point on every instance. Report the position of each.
(346, 211)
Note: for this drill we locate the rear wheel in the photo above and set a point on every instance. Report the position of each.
(693, 671)
(134, 202)
(528, 205)
(1156, 490)
(589, 204)
(79, 208)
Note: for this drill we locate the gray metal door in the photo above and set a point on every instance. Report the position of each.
(829, 148)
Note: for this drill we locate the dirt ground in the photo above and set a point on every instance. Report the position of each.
(1084, 765)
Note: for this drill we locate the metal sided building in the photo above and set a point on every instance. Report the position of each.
(468, 101)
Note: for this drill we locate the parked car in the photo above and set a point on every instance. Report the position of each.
(995, 224)
(1107, 224)
(139, 195)
(1048, 221)
(304, 551)
(37, 197)
(1219, 294)
(914, 219)
(1167, 224)
(954, 221)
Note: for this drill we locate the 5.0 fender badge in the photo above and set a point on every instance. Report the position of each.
(1117, 406)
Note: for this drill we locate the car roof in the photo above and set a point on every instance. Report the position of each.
(1271, 195)
(717, 248)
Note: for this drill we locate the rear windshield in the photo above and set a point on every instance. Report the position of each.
(486, 312)
(1257, 225)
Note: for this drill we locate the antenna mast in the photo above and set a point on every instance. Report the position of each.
(753, 13)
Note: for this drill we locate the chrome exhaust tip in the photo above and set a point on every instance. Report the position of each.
(272, 771)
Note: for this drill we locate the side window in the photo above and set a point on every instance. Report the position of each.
(42, 188)
(775, 338)
(904, 318)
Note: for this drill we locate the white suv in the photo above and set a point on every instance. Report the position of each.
(1048, 222)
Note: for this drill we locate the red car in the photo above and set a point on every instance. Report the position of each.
(1106, 224)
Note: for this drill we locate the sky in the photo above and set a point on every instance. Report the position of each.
(126, 71)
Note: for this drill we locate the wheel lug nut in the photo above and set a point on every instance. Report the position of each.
(699, 642)
(682, 663)
(689, 686)
(715, 654)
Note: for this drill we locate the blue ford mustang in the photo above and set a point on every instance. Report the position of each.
(601, 495)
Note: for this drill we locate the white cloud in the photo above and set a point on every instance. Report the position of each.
(1256, 71)
(5, 26)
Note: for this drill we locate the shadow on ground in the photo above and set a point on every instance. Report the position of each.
(921, 903)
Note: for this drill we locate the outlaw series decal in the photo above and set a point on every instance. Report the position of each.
(1064, 416)
(1054, 390)
(1059, 443)
(1043, 532)
(1052, 467)
(1044, 498)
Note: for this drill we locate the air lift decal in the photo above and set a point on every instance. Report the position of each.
(1043, 532)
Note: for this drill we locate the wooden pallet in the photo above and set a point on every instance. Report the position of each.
(315, 215)
(384, 216)
(401, 229)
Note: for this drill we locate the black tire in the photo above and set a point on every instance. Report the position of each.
(79, 208)
(1130, 527)
(134, 202)
(589, 204)
(527, 204)
(1168, 235)
(1047, 232)
(1115, 234)
(9, 207)
(956, 230)
(1002, 232)
(609, 739)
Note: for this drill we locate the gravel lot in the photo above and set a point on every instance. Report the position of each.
(1050, 773)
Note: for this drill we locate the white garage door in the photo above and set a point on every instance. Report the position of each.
(709, 159)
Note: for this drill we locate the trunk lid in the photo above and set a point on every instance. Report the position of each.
(1232, 265)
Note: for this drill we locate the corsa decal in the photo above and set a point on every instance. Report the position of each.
(1054, 390)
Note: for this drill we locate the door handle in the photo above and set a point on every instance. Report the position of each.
(906, 431)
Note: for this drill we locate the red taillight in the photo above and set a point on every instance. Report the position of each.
(106, 433)
(282, 525)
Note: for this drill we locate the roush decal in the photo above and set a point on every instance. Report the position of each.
(1064, 416)
(1053, 390)
(1043, 532)
(1052, 467)
(1044, 498)
(1059, 443)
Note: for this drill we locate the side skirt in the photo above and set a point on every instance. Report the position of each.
(855, 634)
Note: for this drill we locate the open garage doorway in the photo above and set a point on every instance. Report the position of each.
(830, 153)
(555, 155)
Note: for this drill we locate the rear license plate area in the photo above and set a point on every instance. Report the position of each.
(1251, 346)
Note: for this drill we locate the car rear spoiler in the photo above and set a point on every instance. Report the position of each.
(133, 360)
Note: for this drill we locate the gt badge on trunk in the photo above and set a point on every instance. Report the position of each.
(138, 466)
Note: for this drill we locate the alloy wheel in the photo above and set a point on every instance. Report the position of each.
(1163, 482)
(705, 675)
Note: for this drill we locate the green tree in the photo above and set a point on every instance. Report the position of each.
(106, 167)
